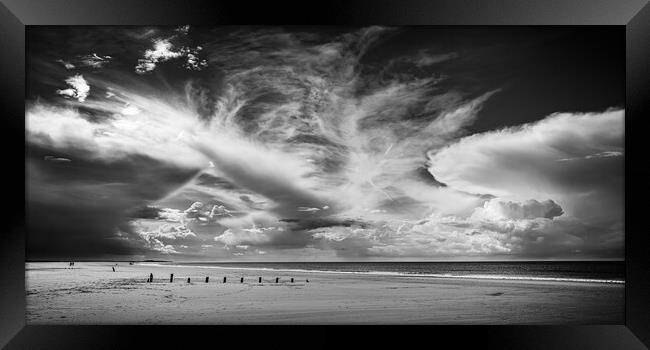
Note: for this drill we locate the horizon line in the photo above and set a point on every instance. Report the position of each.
(331, 261)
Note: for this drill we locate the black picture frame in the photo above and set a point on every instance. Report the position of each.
(633, 14)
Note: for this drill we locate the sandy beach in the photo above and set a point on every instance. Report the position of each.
(91, 293)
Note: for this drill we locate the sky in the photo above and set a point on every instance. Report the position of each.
(233, 143)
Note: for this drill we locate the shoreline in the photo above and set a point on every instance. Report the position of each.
(403, 274)
(90, 293)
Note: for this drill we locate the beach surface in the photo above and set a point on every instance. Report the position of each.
(91, 293)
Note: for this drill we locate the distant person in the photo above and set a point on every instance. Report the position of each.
(113, 269)
(151, 277)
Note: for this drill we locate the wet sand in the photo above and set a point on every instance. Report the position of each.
(91, 293)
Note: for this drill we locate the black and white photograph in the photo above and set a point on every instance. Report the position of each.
(231, 174)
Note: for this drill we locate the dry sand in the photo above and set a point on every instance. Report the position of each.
(90, 293)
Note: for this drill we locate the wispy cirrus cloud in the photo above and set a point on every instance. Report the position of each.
(297, 146)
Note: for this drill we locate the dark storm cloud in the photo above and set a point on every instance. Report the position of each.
(61, 230)
(145, 212)
(313, 223)
(82, 208)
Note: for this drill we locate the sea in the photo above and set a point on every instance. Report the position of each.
(611, 272)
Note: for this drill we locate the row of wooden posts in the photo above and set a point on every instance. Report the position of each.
(207, 278)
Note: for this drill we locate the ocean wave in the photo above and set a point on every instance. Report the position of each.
(403, 274)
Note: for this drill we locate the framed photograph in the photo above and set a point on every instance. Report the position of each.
(427, 165)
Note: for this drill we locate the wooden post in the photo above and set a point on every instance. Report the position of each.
(291, 279)
(276, 280)
(242, 280)
(188, 280)
(259, 280)
(206, 279)
(171, 278)
(224, 280)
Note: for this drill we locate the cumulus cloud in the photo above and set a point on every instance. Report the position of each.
(172, 215)
(163, 50)
(193, 62)
(158, 246)
(530, 209)
(183, 29)
(79, 88)
(486, 162)
(521, 162)
(233, 238)
(170, 233)
(528, 229)
(166, 237)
